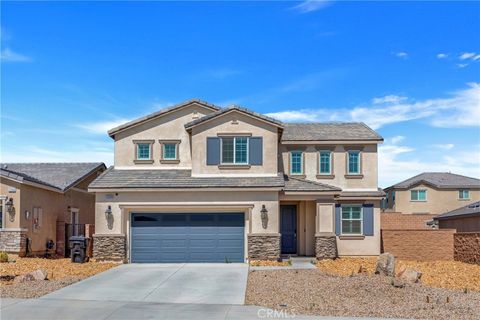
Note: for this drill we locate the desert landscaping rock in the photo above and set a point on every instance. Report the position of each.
(314, 292)
(409, 275)
(36, 275)
(385, 265)
(35, 289)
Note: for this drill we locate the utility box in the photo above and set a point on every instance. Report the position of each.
(78, 249)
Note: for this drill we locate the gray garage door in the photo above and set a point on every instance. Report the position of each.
(187, 237)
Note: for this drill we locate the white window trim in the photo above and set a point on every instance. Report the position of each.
(462, 191)
(149, 151)
(320, 162)
(301, 163)
(2, 203)
(359, 162)
(163, 150)
(426, 197)
(361, 220)
(234, 163)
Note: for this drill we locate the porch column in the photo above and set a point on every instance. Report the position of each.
(325, 239)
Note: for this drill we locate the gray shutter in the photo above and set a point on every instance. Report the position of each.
(255, 151)
(368, 220)
(213, 151)
(338, 219)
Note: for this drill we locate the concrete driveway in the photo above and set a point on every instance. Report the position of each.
(190, 283)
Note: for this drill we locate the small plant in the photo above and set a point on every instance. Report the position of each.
(3, 257)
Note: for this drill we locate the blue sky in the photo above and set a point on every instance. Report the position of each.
(411, 70)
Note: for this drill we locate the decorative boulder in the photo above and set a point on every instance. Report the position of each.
(39, 274)
(385, 265)
(409, 275)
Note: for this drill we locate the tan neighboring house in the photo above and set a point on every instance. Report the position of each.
(432, 193)
(198, 183)
(38, 199)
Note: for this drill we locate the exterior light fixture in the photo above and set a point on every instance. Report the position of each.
(27, 214)
(108, 212)
(264, 216)
(10, 209)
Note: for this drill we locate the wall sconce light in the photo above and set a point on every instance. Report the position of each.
(10, 209)
(27, 214)
(108, 212)
(264, 216)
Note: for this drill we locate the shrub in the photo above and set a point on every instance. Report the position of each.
(3, 256)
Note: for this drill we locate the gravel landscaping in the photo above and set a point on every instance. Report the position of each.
(314, 292)
(61, 272)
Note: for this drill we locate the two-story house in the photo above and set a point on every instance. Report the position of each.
(432, 193)
(198, 183)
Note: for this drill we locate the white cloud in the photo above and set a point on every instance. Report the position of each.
(462, 65)
(442, 55)
(8, 55)
(101, 127)
(467, 55)
(401, 55)
(389, 99)
(397, 163)
(446, 146)
(37, 154)
(461, 109)
(395, 139)
(311, 5)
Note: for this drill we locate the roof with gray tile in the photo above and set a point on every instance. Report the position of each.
(297, 184)
(159, 113)
(353, 194)
(172, 179)
(232, 108)
(439, 180)
(60, 176)
(472, 209)
(332, 131)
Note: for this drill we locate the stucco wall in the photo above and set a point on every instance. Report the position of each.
(461, 224)
(235, 123)
(167, 127)
(11, 189)
(369, 164)
(124, 203)
(438, 200)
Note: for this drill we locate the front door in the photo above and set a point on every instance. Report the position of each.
(288, 228)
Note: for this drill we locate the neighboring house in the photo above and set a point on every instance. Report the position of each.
(432, 193)
(198, 183)
(464, 219)
(38, 198)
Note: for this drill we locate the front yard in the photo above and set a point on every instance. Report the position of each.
(336, 288)
(61, 273)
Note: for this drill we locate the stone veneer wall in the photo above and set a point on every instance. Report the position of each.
(109, 247)
(326, 246)
(467, 247)
(264, 246)
(13, 241)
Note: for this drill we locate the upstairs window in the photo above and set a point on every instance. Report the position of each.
(464, 194)
(352, 220)
(418, 195)
(234, 150)
(170, 151)
(296, 162)
(143, 151)
(325, 166)
(353, 166)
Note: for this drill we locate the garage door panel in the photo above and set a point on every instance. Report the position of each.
(187, 237)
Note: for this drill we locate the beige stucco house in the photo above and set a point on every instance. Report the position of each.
(432, 193)
(198, 183)
(37, 200)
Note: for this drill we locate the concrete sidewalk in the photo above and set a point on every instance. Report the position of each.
(52, 309)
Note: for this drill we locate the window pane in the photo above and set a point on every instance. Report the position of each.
(227, 150)
(169, 151)
(413, 195)
(351, 227)
(464, 194)
(353, 162)
(296, 162)
(143, 151)
(325, 162)
(356, 213)
(422, 194)
(241, 150)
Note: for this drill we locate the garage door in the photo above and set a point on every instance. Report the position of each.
(187, 237)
